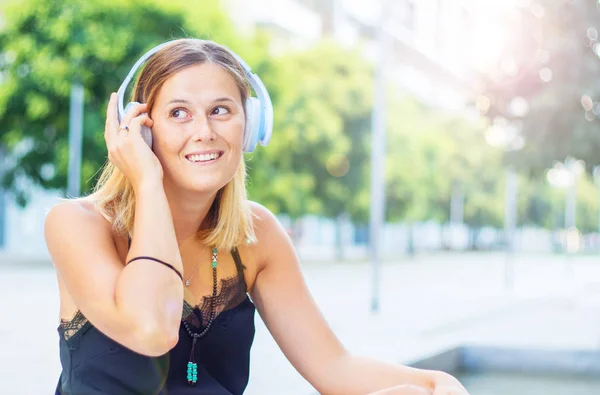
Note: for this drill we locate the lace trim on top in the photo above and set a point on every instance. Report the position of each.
(232, 292)
(68, 328)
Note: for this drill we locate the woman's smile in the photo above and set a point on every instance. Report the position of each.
(204, 158)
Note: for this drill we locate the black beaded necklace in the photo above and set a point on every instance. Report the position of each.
(192, 366)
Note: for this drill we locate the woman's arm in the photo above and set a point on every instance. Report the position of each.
(138, 306)
(294, 320)
(148, 290)
(427, 381)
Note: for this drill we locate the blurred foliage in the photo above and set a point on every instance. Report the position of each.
(320, 151)
(429, 153)
(318, 160)
(588, 207)
(552, 63)
(555, 65)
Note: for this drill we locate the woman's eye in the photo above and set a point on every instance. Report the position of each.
(178, 113)
(220, 111)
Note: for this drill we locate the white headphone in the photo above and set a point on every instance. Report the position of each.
(259, 110)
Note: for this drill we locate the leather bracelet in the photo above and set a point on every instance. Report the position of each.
(159, 261)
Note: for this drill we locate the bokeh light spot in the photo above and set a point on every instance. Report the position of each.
(538, 11)
(519, 107)
(483, 103)
(589, 116)
(546, 74)
(543, 56)
(338, 165)
(587, 102)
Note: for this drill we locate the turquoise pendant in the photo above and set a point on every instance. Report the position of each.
(192, 373)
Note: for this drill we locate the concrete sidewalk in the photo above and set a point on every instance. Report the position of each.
(428, 304)
(435, 303)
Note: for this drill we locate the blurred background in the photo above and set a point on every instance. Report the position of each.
(435, 163)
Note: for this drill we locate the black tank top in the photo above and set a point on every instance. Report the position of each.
(93, 364)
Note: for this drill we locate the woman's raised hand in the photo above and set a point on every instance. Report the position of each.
(127, 149)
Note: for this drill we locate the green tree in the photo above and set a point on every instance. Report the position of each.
(535, 202)
(588, 205)
(428, 152)
(316, 162)
(432, 155)
(555, 50)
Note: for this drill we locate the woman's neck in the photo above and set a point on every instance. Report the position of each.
(189, 211)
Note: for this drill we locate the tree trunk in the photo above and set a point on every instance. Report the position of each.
(339, 243)
(411, 240)
(2, 199)
(295, 230)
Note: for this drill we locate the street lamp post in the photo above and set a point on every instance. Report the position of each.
(377, 209)
(510, 224)
(596, 173)
(506, 136)
(2, 199)
(565, 175)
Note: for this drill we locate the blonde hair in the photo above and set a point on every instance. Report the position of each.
(230, 217)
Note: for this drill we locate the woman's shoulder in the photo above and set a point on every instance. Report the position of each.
(76, 209)
(266, 224)
(270, 235)
(76, 214)
(259, 211)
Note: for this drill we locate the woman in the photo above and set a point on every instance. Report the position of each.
(157, 266)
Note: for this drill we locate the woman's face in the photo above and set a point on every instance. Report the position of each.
(198, 128)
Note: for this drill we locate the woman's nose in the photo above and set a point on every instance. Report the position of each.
(203, 130)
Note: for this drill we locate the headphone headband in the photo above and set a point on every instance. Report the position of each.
(136, 66)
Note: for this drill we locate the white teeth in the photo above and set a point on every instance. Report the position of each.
(203, 157)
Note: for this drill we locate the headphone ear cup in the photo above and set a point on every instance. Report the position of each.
(146, 131)
(147, 135)
(254, 122)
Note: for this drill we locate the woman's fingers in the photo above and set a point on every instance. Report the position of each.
(133, 111)
(403, 390)
(126, 147)
(133, 118)
(449, 390)
(136, 123)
